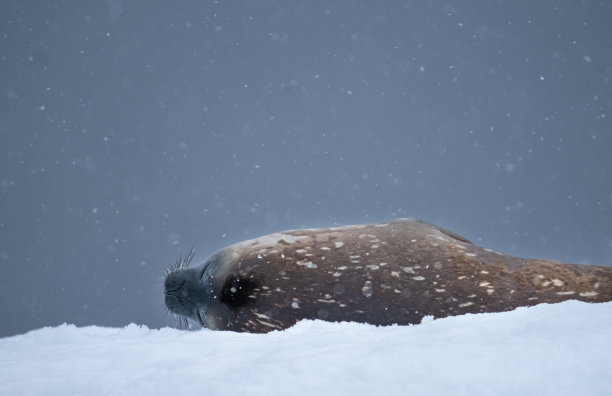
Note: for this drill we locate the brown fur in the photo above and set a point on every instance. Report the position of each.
(389, 273)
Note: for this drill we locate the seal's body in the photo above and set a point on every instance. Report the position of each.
(389, 273)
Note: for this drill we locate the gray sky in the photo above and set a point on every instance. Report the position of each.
(130, 131)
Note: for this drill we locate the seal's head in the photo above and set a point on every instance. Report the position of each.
(185, 291)
(205, 292)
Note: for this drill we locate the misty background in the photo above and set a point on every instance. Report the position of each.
(131, 131)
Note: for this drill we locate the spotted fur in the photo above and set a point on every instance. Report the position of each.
(388, 273)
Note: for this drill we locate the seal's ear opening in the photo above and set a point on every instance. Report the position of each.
(237, 291)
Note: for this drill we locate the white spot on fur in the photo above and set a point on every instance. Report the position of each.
(545, 283)
(326, 301)
(395, 274)
(418, 278)
(490, 291)
(484, 272)
(484, 284)
(565, 293)
(440, 290)
(337, 274)
(355, 261)
(367, 290)
(413, 241)
(382, 264)
(471, 254)
(307, 264)
(459, 246)
(381, 225)
(355, 256)
(462, 277)
(261, 316)
(408, 270)
(465, 304)
(557, 282)
(588, 294)
(338, 244)
(301, 251)
(295, 305)
(374, 247)
(259, 256)
(373, 267)
(268, 324)
(325, 248)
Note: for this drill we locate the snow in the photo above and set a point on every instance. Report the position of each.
(562, 349)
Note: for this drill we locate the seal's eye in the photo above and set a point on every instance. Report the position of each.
(237, 291)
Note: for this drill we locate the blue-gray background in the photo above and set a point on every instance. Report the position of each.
(132, 130)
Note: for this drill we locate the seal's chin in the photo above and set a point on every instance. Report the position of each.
(186, 312)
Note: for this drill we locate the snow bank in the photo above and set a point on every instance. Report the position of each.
(562, 349)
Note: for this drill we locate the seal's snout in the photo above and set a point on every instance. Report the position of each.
(174, 291)
(184, 293)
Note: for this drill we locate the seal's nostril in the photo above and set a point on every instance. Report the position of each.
(172, 290)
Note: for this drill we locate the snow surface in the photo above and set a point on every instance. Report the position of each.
(562, 349)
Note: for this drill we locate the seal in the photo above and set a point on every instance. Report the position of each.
(389, 273)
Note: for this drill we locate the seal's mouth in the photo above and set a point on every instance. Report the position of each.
(181, 305)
